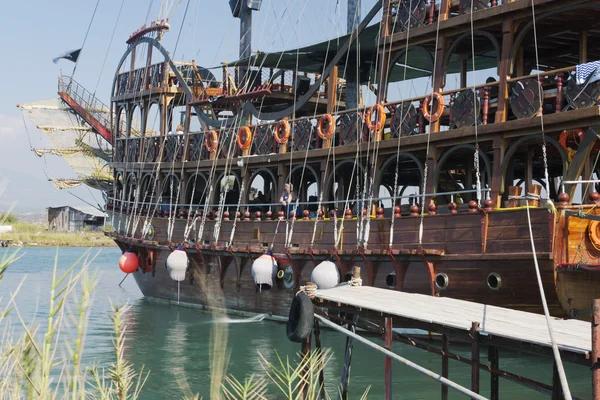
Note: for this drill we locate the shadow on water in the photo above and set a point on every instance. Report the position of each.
(174, 342)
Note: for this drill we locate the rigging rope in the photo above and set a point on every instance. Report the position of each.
(85, 38)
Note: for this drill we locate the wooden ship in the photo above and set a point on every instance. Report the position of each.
(428, 194)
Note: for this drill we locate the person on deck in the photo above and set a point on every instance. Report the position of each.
(286, 199)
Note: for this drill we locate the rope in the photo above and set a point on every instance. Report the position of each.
(557, 358)
(109, 46)
(309, 290)
(85, 38)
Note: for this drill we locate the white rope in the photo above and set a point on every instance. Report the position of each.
(557, 358)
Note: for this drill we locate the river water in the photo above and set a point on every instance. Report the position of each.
(174, 342)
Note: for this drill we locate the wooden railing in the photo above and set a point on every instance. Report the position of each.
(350, 125)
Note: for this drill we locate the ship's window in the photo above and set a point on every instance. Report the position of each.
(441, 281)
(494, 281)
(390, 280)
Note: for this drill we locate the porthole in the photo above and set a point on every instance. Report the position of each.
(441, 281)
(494, 281)
(390, 280)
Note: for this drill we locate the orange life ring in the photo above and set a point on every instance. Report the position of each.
(433, 116)
(328, 121)
(211, 141)
(244, 138)
(282, 137)
(593, 233)
(380, 117)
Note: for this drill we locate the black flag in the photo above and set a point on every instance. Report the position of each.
(70, 55)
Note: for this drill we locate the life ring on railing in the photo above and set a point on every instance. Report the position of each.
(377, 126)
(433, 116)
(576, 134)
(282, 137)
(244, 138)
(301, 319)
(593, 234)
(211, 141)
(326, 121)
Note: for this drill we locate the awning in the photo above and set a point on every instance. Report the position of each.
(313, 58)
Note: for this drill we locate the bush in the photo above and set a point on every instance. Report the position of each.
(7, 218)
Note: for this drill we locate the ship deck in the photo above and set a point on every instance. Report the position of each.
(497, 325)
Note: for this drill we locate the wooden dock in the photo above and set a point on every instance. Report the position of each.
(444, 315)
(380, 311)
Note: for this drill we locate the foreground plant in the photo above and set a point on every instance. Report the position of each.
(30, 368)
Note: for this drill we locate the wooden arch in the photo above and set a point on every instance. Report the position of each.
(190, 181)
(459, 39)
(391, 160)
(529, 26)
(307, 168)
(260, 171)
(513, 148)
(217, 189)
(446, 155)
(327, 190)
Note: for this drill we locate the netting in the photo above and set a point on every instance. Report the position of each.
(73, 140)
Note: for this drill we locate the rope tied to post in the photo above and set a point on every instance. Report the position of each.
(310, 290)
(355, 282)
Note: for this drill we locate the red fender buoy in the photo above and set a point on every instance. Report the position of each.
(129, 262)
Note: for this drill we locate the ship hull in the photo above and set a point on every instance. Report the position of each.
(465, 249)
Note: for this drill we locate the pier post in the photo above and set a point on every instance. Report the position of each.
(445, 365)
(319, 351)
(388, 360)
(475, 357)
(494, 359)
(596, 349)
(305, 353)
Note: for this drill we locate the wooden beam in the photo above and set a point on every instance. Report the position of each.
(508, 34)
(475, 357)
(583, 152)
(583, 47)
(388, 360)
(596, 349)
(445, 365)
(494, 359)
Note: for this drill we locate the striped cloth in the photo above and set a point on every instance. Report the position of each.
(584, 71)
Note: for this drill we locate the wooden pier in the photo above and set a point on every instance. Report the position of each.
(346, 308)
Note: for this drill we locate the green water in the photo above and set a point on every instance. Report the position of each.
(173, 343)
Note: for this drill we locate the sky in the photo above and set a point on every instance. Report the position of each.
(33, 32)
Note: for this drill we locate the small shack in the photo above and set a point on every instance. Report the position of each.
(70, 219)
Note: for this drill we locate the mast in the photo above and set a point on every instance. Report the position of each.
(242, 9)
(353, 94)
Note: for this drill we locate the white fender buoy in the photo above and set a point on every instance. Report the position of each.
(326, 275)
(264, 269)
(177, 264)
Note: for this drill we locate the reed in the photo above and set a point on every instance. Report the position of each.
(31, 368)
(30, 364)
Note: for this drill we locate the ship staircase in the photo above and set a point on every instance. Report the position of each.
(85, 104)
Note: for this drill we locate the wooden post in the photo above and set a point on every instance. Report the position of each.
(305, 352)
(475, 357)
(595, 349)
(557, 393)
(499, 145)
(319, 351)
(345, 380)
(494, 359)
(388, 360)
(331, 100)
(583, 47)
(444, 365)
(508, 33)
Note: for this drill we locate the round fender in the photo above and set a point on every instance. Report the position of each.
(301, 319)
